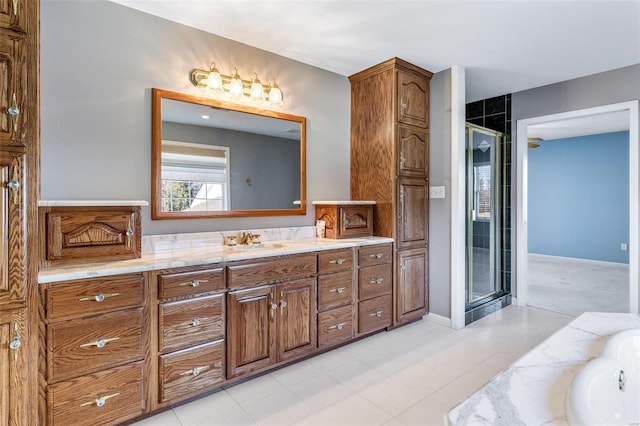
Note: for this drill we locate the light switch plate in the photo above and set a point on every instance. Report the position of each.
(436, 192)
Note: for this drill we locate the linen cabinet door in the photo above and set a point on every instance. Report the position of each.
(413, 99)
(13, 368)
(297, 325)
(13, 86)
(412, 289)
(413, 213)
(413, 151)
(251, 339)
(12, 238)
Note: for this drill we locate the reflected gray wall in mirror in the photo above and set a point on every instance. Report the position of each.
(263, 172)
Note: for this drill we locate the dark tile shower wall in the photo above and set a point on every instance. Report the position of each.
(495, 114)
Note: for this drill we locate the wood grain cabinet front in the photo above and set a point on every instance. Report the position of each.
(374, 314)
(187, 372)
(108, 397)
(374, 281)
(335, 326)
(191, 283)
(335, 290)
(335, 260)
(346, 220)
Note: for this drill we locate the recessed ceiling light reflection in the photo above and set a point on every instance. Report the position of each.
(206, 117)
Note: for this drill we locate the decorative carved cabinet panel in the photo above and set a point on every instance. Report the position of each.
(13, 14)
(390, 165)
(12, 88)
(13, 368)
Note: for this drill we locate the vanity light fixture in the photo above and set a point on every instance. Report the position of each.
(235, 88)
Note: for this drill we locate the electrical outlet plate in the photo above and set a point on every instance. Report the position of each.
(436, 192)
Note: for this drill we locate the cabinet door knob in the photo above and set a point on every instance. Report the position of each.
(337, 290)
(100, 401)
(195, 371)
(376, 281)
(99, 343)
(193, 283)
(15, 343)
(14, 185)
(377, 255)
(376, 314)
(339, 326)
(15, 7)
(100, 297)
(13, 110)
(337, 261)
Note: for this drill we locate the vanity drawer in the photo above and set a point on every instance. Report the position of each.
(374, 314)
(189, 371)
(374, 281)
(335, 326)
(273, 270)
(89, 234)
(374, 255)
(335, 290)
(93, 296)
(191, 322)
(335, 260)
(190, 283)
(83, 346)
(108, 397)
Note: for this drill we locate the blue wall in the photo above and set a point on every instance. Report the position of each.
(579, 197)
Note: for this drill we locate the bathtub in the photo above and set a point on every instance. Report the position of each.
(606, 391)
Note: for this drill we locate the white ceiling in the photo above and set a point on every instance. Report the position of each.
(590, 125)
(505, 46)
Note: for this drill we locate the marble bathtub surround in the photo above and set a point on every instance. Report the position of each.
(533, 390)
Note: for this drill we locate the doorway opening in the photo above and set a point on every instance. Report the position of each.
(530, 128)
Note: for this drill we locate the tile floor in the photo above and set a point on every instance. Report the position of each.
(573, 286)
(410, 376)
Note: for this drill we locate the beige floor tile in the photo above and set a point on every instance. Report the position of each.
(279, 409)
(356, 375)
(321, 391)
(168, 418)
(391, 395)
(254, 389)
(295, 373)
(352, 411)
(237, 417)
(425, 413)
(203, 408)
(394, 421)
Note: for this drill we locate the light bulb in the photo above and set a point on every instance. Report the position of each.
(235, 85)
(257, 90)
(214, 81)
(275, 94)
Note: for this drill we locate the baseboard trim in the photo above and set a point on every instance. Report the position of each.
(439, 319)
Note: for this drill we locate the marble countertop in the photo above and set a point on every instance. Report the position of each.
(344, 202)
(533, 390)
(192, 256)
(91, 203)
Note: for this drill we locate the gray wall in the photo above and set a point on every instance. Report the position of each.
(99, 61)
(440, 208)
(272, 164)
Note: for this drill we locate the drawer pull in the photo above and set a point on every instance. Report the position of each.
(377, 255)
(98, 297)
(376, 281)
(195, 371)
(15, 343)
(129, 233)
(100, 401)
(195, 322)
(337, 290)
(193, 283)
(338, 261)
(15, 7)
(100, 343)
(376, 314)
(338, 326)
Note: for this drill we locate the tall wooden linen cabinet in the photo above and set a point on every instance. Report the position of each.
(390, 165)
(19, 171)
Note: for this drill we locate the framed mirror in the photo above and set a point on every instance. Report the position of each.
(212, 159)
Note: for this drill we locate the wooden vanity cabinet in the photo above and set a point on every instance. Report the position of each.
(345, 220)
(270, 323)
(97, 334)
(375, 285)
(191, 314)
(390, 129)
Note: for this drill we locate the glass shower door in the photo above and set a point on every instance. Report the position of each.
(482, 241)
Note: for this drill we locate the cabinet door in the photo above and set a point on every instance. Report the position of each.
(412, 291)
(12, 87)
(413, 152)
(297, 327)
(413, 213)
(251, 342)
(13, 368)
(12, 14)
(413, 99)
(12, 238)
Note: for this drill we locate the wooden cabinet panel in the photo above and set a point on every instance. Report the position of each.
(413, 99)
(374, 255)
(273, 270)
(191, 283)
(14, 352)
(12, 15)
(297, 325)
(190, 322)
(93, 296)
(413, 151)
(374, 314)
(81, 346)
(86, 234)
(190, 371)
(346, 220)
(335, 326)
(374, 281)
(12, 237)
(412, 294)
(335, 290)
(12, 87)
(108, 397)
(251, 331)
(413, 214)
(335, 260)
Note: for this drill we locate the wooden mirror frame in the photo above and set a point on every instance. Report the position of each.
(157, 95)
